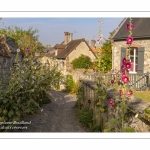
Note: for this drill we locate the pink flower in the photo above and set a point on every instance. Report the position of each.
(123, 69)
(129, 93)
(112, 81)
(129, 40)
(96, 75)
(124, 61)
(128, 65)
(27, 49)
(120, 92)
(125, 78)
(128, 26)
(111, 102)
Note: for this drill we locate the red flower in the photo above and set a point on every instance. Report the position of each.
(120, 92)
(128, 65)
(129, 93)
(89, 101)
(124, 61)
(112, 81)
(129, 40)
(27, 49)
(111, 102)
(125, 78)
(123, 69)
(128, 26)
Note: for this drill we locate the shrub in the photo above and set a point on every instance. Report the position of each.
(83, 62)
(70, 84)
(86, 116)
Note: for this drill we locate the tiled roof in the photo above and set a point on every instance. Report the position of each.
(62, 53)
(142, 29)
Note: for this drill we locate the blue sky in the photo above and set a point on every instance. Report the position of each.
(51, 30)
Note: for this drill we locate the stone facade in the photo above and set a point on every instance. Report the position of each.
(116, 53)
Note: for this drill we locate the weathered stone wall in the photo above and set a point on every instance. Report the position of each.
(116, 53)
(137, 106)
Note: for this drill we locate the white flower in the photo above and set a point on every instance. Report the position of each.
(36, 54)
(22, 71)
(32, 90)
(18, 50)
(26, 59)
(32, 63)
(33, 77)
(41, 109)
(136, 115)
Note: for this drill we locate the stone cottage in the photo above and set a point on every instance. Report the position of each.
(8, 51)
(70, 49)
(140, 48)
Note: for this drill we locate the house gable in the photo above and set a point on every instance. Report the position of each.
(141, 29)
(82, 48)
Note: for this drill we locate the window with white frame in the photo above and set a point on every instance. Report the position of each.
(134, 59)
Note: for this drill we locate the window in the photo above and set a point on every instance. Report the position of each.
(137, 59)
(134, 60)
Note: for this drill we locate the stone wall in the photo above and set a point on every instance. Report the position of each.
(137, 106)
(116, 53)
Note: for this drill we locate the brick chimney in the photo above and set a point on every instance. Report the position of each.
(93, 42)
(67, 37)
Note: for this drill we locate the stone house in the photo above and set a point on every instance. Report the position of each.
(140, 48)
(8, 51)
(70, 49)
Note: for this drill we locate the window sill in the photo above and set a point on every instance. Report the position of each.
(132, 72)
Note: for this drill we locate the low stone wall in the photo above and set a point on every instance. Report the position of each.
(136, 106)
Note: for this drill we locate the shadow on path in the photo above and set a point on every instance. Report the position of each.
(57, 116)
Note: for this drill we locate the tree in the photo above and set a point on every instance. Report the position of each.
(104, 61)
(82, 62)
(24, 38)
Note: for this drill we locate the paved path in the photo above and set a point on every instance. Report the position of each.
(57, 116)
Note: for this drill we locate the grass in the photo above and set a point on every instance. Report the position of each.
(144, 95)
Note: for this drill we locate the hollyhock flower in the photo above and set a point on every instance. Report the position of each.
(128, 65)
(128, 26)
(111, 102)
(81, 105)
(120, 92)
(89, 101)
(124, 61)
(125, 78)
(129, 40)
(119, 82)
(27, 49)
(112, 81)
(129, 93)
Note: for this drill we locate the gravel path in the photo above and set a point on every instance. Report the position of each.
(57, 116)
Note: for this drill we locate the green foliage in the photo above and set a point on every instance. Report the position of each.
(70, 84)
(128, 130)
(82, 62)
(28, 88)
(86, 116)
(104, 61)
(23, 38)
